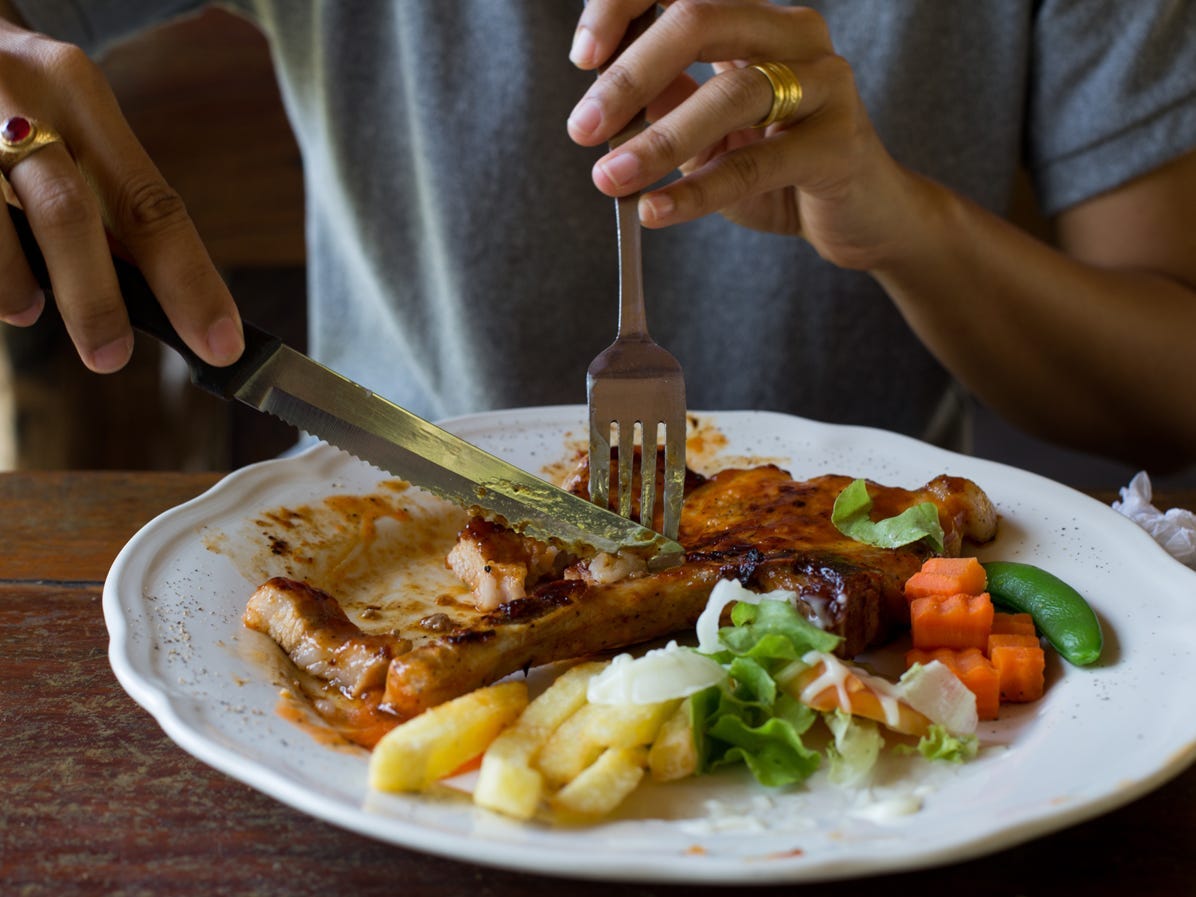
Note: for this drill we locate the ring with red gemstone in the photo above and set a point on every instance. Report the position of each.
(20, 137)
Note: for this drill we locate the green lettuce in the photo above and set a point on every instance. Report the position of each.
(852, 516)
(749, 719)
(772, 631)
(939, 744)
(730, 729)
(855, 749)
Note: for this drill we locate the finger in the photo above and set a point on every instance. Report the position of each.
(685, 137)
(600, 28)
(151, 221)
(729, 178)
(65, 219)
(681, 89)
(21, 299)
(691, 32)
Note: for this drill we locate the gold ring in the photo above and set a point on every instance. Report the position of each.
(20, 137)
(786, 92)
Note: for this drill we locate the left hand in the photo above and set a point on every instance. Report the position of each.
(823, 174)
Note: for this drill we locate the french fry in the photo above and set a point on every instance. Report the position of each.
(507, 782)
(673, 754)
(425, 748)
(581, 739)
(602, 785)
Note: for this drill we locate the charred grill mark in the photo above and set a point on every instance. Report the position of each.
(544, 600)
(467, 637)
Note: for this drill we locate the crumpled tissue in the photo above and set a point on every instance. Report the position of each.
(1175, 529)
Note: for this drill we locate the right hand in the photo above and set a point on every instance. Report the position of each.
(823, 174)
(99, 185)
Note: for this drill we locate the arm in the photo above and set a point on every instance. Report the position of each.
(1087, 343)
(96, 185)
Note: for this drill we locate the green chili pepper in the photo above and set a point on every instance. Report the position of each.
(1059, 611)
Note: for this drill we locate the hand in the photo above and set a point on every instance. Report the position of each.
(824, 174)
(99, 184)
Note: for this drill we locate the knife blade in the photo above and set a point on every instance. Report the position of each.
(276, 379)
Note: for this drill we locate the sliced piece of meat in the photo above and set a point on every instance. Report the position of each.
(499, 565)
(310, 626)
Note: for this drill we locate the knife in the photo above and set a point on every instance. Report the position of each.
(274, 378)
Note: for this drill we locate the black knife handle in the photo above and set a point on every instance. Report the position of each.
(146, 314)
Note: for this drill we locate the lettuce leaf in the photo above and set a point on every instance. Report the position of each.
(749, 719)
(852, 512)
(773, 631)
(855, 750)
(939, 744)
(767, 739)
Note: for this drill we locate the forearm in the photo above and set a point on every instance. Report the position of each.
(1097, 358)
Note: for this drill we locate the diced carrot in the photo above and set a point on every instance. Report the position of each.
(1020, 668)
(1013, 624)
(1010, 639)
(973, 669)
(968, 570)
(947, 576)
(951, 621)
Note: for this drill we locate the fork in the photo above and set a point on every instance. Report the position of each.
(635, 384)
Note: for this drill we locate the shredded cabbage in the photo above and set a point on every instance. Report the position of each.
(659, 675)
(939, 695)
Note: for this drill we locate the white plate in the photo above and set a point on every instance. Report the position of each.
(1101, 737)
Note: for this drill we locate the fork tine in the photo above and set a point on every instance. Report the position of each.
(648, 472)
(599, 459)
(626, 465)
(674, 475)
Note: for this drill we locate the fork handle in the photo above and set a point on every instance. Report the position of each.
(635, 29)
(633, 319)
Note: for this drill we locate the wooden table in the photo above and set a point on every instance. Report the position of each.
(98, 801)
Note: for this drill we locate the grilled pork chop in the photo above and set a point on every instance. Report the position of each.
(757, 525)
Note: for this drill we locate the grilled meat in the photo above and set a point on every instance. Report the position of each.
(757, 525)
(498, 564)
(310, 626)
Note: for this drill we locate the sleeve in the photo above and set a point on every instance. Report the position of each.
(1112, 94)
(94, 25)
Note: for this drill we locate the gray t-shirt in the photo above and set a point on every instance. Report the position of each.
(461, 259)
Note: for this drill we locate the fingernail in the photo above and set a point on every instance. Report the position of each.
(582, 52)
(112, 356)
(29, 315)
(620, 169)
(586, 117)
(225, 341)
(656, 207)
